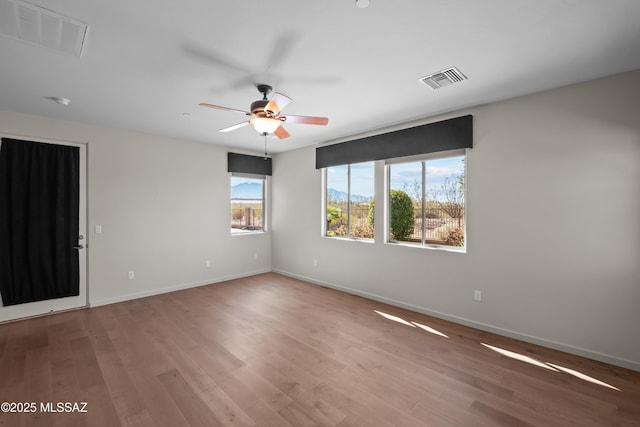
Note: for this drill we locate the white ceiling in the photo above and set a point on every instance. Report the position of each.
(146, 62)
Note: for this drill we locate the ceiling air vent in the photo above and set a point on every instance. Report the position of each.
(43, 27)
(443, 78)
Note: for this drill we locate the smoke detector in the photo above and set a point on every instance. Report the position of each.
(443, 78)
(36, 25)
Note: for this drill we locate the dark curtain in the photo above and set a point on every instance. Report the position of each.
(39, 214)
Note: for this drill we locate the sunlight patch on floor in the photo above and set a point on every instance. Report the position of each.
(412, 323)
(429, 329)
(548, 365)
(582, 376)
(394, 318)
(520, 357)
(502, 351)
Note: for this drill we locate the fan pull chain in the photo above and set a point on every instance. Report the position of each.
(265, 146)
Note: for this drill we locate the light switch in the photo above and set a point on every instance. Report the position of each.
(98, 229)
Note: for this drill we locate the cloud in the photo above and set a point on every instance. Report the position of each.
(407, 173)
(440, 171)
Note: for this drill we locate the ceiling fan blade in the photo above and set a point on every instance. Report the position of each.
(208, 56)
(277, 103)
(217, 107)
(282, 48)
(308, 120)
(234, 127)
(281, 133)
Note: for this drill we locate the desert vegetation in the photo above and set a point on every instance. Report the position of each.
(443, 221)
(246, 216)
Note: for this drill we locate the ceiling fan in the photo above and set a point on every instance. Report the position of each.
(266, 117)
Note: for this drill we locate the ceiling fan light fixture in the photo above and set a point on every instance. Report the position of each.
(266, 115)
(361, 4)
(265, 124)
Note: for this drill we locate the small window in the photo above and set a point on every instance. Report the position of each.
(349, 200)
(247, 204)
(426, 201)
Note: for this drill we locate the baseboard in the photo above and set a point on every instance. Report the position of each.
(567, 348)
(179, 287)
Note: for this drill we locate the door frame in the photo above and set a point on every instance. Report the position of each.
(38, 308)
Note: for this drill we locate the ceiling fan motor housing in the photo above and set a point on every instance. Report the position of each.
(257, 107)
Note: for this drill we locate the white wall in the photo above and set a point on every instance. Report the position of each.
(163, 206)
(553, 201)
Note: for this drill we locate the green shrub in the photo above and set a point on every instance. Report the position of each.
(402, 215)
(333, 214)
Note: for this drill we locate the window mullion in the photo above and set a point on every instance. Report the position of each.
(349, 201)
(264, 204)
(325, 212)
(424, 203)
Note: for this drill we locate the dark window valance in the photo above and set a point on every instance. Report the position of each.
(430, 138)
(243, 163)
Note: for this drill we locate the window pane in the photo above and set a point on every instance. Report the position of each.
(337, 200)
(405, 201)
(247, 202)
(444, 191)
(362, 192)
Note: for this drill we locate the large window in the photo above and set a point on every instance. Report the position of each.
(247, 204)
(349, 200)
(424, 182)
(426, 203)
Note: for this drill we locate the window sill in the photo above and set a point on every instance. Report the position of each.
(456, 249)
(349, 239)
(247, 232)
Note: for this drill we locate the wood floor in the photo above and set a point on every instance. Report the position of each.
(269, 350)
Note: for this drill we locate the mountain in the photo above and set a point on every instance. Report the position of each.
(341, 196)
(247, 190)
(253, 190)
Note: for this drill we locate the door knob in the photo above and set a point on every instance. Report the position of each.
(78, 247)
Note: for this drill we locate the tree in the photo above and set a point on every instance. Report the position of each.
(453, 195)
(414, 189)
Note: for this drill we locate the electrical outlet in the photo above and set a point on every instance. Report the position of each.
(255, 255)
(207, 263)
(477, 295)
(131, 275)
(315, 262)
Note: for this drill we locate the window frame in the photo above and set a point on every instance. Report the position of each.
(258, 177)
(423, 158)
(325, 202)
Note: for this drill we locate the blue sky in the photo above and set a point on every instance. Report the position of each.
(362, 179)
(362, 175)
(242, 187)
(438, 170)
